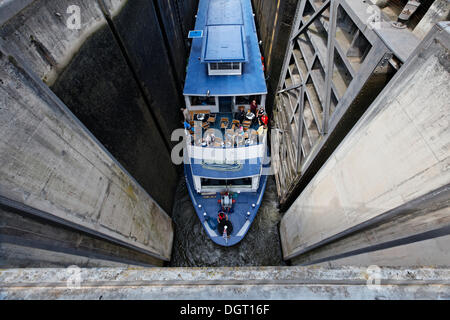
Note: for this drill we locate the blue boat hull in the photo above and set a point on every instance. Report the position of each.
(240, 220)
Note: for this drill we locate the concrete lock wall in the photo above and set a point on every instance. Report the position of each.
(389, 174)
(27, 241)
(119, 74)
(50, 165)
(255, 283)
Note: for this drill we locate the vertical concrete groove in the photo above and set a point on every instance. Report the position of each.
(134, 72)
(167, 46)
(180, 23)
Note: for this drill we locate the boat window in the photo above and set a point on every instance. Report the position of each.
(241, 182)
(243, 100)
(203, 101)
(225, 68)
(247, 100)
(213, 182)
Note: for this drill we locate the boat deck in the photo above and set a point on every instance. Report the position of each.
(239, 219)
(249, 139)
(219, 116)
(231, 13)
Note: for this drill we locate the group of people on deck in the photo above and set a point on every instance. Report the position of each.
(254, 114)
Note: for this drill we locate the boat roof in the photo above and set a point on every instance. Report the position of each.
(222, 12)
(229, 35)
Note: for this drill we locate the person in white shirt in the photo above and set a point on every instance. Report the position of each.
(262, 130)
(210, 138)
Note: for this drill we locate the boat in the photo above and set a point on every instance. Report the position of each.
(226, 159)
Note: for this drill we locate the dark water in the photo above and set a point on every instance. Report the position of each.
(193, 248)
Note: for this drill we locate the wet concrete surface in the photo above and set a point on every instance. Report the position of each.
(193, 248)
(114, 110)
(120, 74)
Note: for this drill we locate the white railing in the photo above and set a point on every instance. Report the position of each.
(226, 154)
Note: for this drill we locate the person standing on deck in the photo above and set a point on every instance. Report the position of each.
(210, 139)
(253, 107)
(262, 130)
(259, 114)
(222, 217)
(241, 131)
(250, 115)
(264, 120)
(240, 115)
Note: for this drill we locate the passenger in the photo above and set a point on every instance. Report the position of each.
(250, 115)
(260, 113)
(187, 126)
(240, 115)
(210, 139)
(253, 107)
(264, 120)
(241, 131)
(222, 217)
(227, 202)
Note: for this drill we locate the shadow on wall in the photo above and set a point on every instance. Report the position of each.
(100, 90)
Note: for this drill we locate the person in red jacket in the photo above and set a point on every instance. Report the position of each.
(264, 120)
(222, 217)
